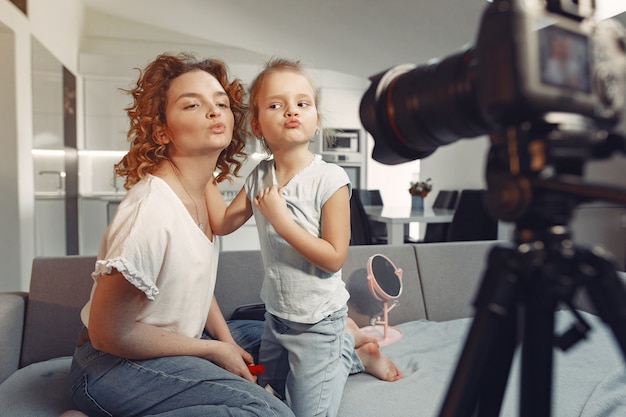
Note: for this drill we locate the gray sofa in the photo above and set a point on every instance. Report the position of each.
(38, 332)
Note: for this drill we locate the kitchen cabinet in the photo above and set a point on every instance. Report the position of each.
(47, 79)
(93, 223)
(50, 226)
(106, 121)
(47, 114)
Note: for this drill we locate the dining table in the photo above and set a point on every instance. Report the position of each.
(397, 218)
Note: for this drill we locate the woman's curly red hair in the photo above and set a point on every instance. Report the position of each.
(147, 117)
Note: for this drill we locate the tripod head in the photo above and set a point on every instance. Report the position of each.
(534, 172)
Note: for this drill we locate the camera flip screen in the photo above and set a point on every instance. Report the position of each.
(564, 59)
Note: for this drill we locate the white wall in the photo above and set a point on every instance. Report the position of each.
(9, 203)
(17, 203)
(341, 99)
(458, 165)
(58, 25)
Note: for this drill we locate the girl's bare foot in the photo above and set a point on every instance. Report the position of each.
(367, 348)
(376, 363)
(359, 336)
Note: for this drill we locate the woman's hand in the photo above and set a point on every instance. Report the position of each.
(232, 358)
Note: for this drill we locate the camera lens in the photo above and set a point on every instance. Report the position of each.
(410, 111)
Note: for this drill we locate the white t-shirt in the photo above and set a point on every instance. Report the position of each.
(158, 247)
(293, 288)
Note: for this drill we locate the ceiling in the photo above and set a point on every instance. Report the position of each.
(356, 37)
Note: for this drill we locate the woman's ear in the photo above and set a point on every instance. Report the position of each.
(162, 137)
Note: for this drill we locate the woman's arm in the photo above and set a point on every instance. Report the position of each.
(218, 329)
(327, 252)
(216, 324)
(226, 219)
(113, 328)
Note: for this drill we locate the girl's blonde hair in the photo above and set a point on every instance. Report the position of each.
(147, 117)
(273, 66)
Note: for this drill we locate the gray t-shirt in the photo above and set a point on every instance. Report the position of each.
(293, 288)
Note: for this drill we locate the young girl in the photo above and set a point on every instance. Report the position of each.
(155, 341)
(302, 212)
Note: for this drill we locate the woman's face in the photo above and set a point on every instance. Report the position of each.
(287, 110)
(199, 119)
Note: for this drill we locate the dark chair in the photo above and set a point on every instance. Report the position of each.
(370, 197)
(374, 198)
(360, 233)
(471, 220)
(438, 232)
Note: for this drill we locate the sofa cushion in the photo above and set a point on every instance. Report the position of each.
(451, 274)
(362, 305)
(59, 288)
(40, 389)
(239, 279)
(12, 307)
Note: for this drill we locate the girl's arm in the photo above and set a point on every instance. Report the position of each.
(226, 219)
(113, 328)
(327, 252)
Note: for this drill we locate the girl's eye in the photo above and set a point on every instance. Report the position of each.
(274, 106)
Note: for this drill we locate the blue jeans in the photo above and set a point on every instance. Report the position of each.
(178, 386)
(308, 364)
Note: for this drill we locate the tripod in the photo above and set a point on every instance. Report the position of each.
(527, 279)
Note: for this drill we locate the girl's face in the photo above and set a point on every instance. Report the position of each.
(198, 114)
(287, 112)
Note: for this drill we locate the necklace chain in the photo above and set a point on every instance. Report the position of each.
(180, 181)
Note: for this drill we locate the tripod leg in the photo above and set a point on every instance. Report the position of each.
(498, 368)
(537, 347)
(479, 363)
(607, 292)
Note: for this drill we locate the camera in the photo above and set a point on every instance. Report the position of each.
(532, 58)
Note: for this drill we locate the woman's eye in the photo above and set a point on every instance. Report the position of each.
(191, 106)
(224, 105)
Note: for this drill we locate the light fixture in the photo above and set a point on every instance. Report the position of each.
(384, 280)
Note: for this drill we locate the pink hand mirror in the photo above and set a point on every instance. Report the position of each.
(385, 283)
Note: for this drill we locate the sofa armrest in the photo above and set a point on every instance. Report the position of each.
(12, 313)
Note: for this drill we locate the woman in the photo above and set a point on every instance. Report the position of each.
(155, 341)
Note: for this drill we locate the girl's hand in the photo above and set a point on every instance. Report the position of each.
(232, 358)
(272, 205)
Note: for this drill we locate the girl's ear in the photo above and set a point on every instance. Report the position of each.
(256, 130)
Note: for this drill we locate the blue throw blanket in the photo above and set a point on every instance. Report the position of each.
(589, 379)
